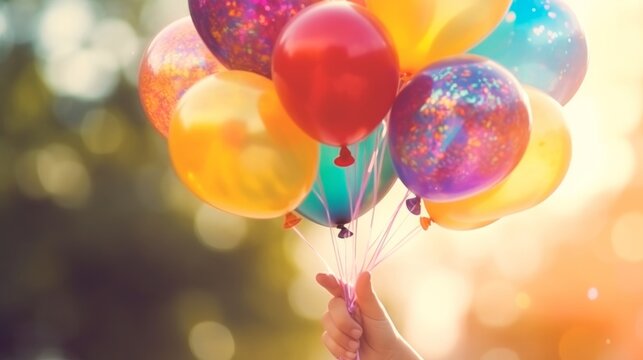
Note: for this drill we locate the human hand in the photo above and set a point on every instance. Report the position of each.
(370, 331)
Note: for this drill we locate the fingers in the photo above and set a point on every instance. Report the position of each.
(367, 300)
(342, 319)
(330, 283)
(335, 349)
(344, 340)
(342, 331)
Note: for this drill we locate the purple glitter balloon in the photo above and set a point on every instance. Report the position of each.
(458, 127)
(242, 33)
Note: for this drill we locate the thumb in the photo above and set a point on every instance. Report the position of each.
(369, 304)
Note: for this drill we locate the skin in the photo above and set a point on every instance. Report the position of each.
(370, 331)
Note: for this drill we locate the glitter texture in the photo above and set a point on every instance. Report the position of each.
(542, 43)
(242, 33)
(459, 127)
(175, 60)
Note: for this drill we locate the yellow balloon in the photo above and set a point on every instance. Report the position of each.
(233, 145)
(536, 176)
(453, 224)
(428, 30)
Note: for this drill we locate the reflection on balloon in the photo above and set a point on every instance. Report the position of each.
(538, 174)
(341, 192)
(175, 60)
(542, 43)
(242, 33)
(336, 72)
(459, 127)
(428, 30)
(234, 146)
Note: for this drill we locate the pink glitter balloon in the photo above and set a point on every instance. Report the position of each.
(174, 61)
(458, 127)
(242, 33)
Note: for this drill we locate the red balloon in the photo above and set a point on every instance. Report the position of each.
(336, 71)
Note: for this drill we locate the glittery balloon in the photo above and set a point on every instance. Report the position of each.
(459, 127)
(541, 170)
(542, 43)
(175, 60)
(242, 33)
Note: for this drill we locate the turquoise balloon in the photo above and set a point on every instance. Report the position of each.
(340, 187)
(542, 44)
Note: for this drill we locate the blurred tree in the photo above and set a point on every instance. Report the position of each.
(99, 258)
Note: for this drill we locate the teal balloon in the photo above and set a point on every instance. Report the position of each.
(542, 43)
(340, 187)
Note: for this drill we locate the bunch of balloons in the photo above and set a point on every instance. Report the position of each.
(317, 107)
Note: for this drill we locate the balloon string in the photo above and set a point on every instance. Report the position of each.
(384, 232)
(380, 240)
(354, 209)
(397, 246)
(350, 298)
(380, 151)
(321, 258)
(399, 226)
(321, 196)
(366, 178)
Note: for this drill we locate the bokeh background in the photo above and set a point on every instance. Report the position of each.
(104, 255)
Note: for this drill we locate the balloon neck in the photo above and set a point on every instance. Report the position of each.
(345, 157)
(291, 220)
(425, 222)
(414, 205)
(405, 77)
(344, 233)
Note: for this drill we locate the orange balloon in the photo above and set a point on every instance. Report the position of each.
(453, 224)
(233, 145)
(428, 30)
(537, 175)
(175, 60)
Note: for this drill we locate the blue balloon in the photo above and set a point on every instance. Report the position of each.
(336, 191)
(542, 44)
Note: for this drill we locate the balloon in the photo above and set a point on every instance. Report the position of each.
(542, 43)
(428, 30)
(235, 147)
(175, 60)
(453, 224)
(335, 71)
(339, 190)
(538, 174)
(242, 33)
(459, 127)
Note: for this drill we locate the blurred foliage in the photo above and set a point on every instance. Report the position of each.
(98, 254)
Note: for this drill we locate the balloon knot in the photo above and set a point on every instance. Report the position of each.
(414, 205)
(405, 77)
(425, 222)
(345, 157)
(291, 220)
(344, 233)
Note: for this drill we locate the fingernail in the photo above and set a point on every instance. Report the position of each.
(356, 333)
(351, 355)
(354, 345)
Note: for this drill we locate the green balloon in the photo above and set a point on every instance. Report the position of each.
(336, 192)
